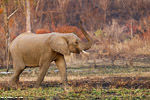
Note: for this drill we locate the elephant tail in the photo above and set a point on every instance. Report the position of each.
(8, 61)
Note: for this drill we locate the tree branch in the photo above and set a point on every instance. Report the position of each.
(12, 14)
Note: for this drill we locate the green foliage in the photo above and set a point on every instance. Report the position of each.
(31, 92)
(99, 32)
(79, 93)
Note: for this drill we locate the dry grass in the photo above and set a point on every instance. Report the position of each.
(73, 78)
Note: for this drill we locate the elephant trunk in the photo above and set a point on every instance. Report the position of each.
(86, 46)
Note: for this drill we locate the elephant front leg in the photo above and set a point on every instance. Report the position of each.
(61, 64)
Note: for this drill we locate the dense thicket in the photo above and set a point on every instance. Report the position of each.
(68, 12)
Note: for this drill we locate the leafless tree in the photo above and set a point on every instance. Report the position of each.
(6, 27)
(104, 5)
(62, 5)
(28, 23)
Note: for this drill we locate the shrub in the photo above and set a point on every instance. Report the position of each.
(69, 29)
(1, 10)
(42, 31)
(62, 29)
(99, 32)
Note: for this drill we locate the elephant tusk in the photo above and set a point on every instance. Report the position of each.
(85, 52)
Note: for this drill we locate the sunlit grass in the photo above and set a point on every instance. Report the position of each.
(79, 93)
(32, 92)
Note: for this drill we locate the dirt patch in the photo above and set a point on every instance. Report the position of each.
(93, 82)
(114, 82)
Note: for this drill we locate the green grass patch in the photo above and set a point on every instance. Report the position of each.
(79, 93)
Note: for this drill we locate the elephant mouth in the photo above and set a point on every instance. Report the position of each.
(76, 51)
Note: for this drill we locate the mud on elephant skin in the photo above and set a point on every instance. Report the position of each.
(39, 50)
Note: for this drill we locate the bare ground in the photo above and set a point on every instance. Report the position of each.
(121, 80)
(117, 81)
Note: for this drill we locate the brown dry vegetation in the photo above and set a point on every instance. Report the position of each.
(120, 29)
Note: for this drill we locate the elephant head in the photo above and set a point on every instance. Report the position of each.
(69, 42)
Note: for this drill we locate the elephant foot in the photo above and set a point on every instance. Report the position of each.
(13, 82)
(67, 89)
(13, 85)
(36, 86)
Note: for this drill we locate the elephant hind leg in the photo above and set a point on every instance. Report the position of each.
(18, 69)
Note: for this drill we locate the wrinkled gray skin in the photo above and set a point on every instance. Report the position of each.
(39, 50)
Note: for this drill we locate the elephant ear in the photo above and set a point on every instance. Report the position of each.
(59, 44)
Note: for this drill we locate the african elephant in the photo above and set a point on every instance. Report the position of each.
(39, 50)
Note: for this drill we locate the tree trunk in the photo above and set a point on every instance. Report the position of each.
(28, 23)
(7, 34)
(131, 28)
